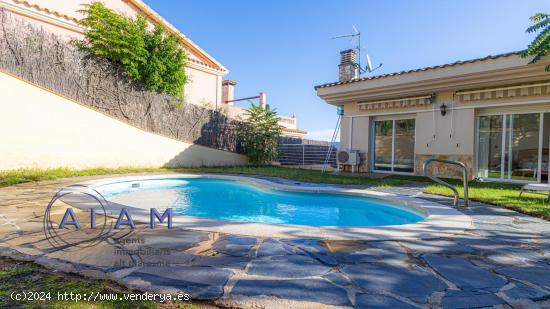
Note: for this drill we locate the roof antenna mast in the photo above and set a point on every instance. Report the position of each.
(356, 42)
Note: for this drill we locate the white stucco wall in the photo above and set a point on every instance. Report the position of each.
(202, 88)
(39, 129)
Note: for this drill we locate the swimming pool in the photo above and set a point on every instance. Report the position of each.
(238, 201)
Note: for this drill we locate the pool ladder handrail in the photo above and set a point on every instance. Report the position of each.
(446, 184)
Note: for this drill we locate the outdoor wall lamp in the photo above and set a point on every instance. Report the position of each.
(443, 109)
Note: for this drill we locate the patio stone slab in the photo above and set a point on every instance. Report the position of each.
(199, 282)
(314, 248)
(387, 252)
(538, 275)
(312, 290)
(235, 245)
(468, 299)
(272, 247)
(375, 301)
(523, 291)
(230, 262)
(412, 283)
(464, 274)
(435, 246)
(293, 266)
(337, 278)
(515, 256)
(174, 238)
(101, 256)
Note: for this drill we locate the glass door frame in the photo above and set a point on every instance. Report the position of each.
(508, 145)
(372, 146)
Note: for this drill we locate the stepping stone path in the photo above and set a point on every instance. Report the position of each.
(503, 261)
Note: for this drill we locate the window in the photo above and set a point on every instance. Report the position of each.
(394, 145)
(510, 147)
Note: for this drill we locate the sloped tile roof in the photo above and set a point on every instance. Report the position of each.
(456, 63)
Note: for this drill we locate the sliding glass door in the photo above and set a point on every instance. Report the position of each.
(394, 145)
(510, 146)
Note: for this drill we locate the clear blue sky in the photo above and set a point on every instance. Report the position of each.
(283, 48)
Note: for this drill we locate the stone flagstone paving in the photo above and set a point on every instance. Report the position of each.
(502, 262)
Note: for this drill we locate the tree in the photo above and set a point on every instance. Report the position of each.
(541, 44)
(153, 57)
(259, 135)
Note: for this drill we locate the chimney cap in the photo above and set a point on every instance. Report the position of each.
(229, 82)
(347, 51)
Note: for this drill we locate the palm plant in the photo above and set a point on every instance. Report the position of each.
(541, 44)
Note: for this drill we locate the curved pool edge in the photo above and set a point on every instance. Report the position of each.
(440, 221)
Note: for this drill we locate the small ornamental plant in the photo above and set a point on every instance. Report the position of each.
(152, 57)
(259, 135)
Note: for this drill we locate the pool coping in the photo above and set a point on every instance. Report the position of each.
(440, 221)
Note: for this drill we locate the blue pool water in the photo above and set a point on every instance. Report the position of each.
(241, 202)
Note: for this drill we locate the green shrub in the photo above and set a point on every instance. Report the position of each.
(153, 57)
(541, 44)
(259, 135)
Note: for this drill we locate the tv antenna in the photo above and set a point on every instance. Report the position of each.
(356, 42)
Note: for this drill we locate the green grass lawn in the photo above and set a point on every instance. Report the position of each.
(8, 178)
(27, 175)
(505, 195)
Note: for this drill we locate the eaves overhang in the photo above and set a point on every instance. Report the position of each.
(473, 75)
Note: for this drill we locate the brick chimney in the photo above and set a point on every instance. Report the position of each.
(263, 100)
(228, 91)
(347, 69)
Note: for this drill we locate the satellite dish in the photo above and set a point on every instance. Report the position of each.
(369, 63)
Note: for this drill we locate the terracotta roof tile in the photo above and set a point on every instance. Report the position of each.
(456, 63)
(43, 9)
(293, 130)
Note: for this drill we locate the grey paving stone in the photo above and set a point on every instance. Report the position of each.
(198, 282)
(231, 262)
(174, 238)
(539, 275)
(464, 274)
(235, 245)
(271, 247)
(337, 278)
(412, 283)
(506, 234)
(312, 290)
(468, 299)
(523, 291)
(364, 301)
(515, 256)
(436, 246)
(292, 266)
(315, 249)
(387, 252)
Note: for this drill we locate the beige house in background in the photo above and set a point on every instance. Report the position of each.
(61, 17)
(491, 113)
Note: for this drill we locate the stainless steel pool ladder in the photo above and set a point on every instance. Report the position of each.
(446, 184)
